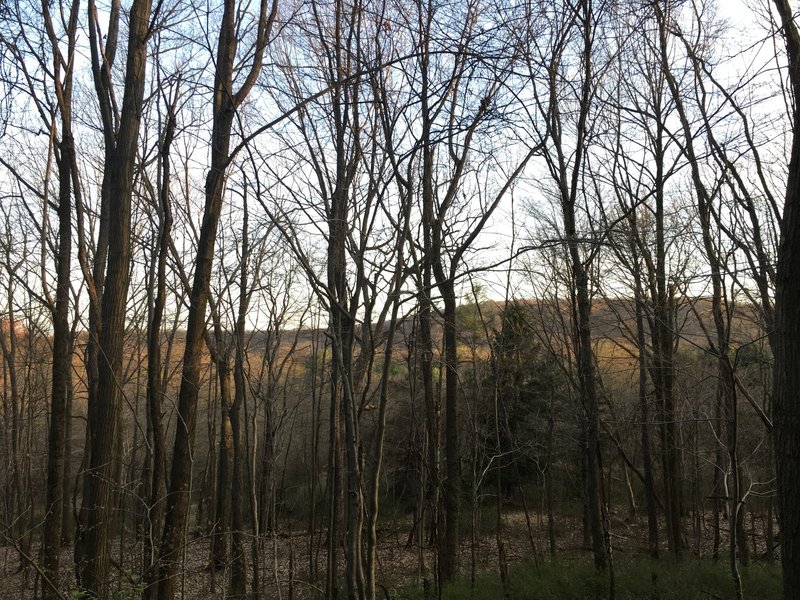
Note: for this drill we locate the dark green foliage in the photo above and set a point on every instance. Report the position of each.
(531, 389)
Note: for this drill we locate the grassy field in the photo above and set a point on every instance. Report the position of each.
(634, 579)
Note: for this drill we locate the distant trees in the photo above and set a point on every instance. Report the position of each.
(655, 122)
(565, 71)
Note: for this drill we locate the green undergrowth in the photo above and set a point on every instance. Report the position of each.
(635, 579)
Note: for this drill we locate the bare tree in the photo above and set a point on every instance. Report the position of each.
(62, 331)
(565, 104)
(225, 104)
(155, 462)
(93, 549)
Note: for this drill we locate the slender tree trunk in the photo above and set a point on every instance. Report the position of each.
(221, 528)
(238, 577)
(61, 378)
(344, 106)
(548, 481)
(718, 467)
(451, 491)
(11, 380)
(644, 427)
(589, 395)
(238, 580)
(432, 414)
(157, 466)
(334, 492)
(376, 458)
(67, 520)
(62, 335)
(663, 336)
(567, 175)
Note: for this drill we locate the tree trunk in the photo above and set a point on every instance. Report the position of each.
(432, 415)
(157, 464)
(61, 379)
(104, 411)
(221, 527)
(62, 334)
(376, 458)
(644, 427)
(786, 375)
(238, 580)
(451, 490)
(589, 395)
(334, 491)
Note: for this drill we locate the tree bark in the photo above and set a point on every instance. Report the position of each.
(62, 334)
(451, 490)
(786, 375)
(104, 412)
(644, 415)
(157, 466)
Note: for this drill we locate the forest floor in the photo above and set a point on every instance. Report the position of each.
(287, 561)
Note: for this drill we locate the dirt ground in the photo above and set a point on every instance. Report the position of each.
(286, 564)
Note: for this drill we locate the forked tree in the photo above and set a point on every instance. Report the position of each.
(121, 139)
(226, 102)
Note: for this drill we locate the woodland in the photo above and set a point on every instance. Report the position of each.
(399, 299)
